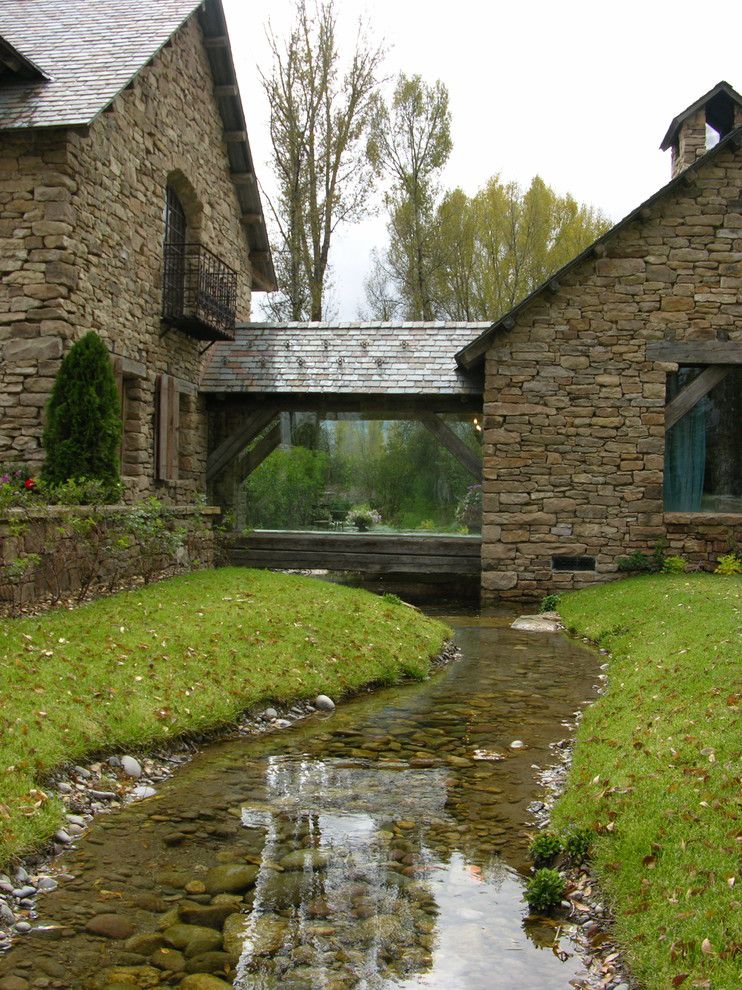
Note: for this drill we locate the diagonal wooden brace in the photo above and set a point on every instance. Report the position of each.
(255, 457)
(453, 443)
(692, 394)
(234, 444)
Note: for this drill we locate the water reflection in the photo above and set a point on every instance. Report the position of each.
(377, 849)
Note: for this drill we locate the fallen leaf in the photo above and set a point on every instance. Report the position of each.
(680, 978)
(707, 948)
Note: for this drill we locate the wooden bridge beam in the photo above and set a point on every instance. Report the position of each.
(453, 443)
(255, 457)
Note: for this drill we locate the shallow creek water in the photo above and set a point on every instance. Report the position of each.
(380, 848)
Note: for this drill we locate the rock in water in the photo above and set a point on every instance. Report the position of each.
(203, 981)
(131, 767)
(324, 704)
(110, 926)
(535, 623)
(232, 878)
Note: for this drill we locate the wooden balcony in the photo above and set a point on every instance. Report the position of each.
(199, 292)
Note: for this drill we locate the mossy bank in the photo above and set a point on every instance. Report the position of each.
(183, 656)
(655, 772)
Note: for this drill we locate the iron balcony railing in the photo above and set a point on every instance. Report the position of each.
(199, 292)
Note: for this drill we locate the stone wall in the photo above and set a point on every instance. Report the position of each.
(60, 561)
(574, 410)
(81, 232)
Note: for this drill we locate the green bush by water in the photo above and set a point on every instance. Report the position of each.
(545, 890)
(545, 848)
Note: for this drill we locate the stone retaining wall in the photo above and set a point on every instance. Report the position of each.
(68, 561)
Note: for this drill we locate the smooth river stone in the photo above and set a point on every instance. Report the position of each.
(110, 926)
(301, 858)
(203, 981)
(231, 878)
(209, 916)
(182, 936)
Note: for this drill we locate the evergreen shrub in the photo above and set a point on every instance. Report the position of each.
(83, 428)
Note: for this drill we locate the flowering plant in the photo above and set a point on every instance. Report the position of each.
(363, 517)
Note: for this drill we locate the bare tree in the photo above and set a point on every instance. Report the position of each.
(320, 115)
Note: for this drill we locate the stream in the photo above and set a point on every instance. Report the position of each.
(382, 847)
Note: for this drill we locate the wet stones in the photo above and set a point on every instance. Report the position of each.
(203, 981)
(323, 703)
(194, 939)
(231, 878)
(208, 915)
(301, 859)
(131, 767)
(110, 926)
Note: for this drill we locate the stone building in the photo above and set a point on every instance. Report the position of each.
(613, 393)
(128, 206)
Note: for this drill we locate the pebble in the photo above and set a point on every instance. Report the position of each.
(323, 703)
(47, 883)
(23, 927)
(131, 767)
(270, 713)
(281, 723)
(20, 892)
(143, 791)
(61, 836)
(64, 787)
(517, 744)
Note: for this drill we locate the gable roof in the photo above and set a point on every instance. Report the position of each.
(343, 358)
(90, 50)
(470, 355)
(717, 102)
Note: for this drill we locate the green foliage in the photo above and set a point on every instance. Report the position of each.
(674, 565)
(647, 563)
(550, 603)
(83, 428)
(150, 525)
(16, 570)
(655, 769)
(728, 563)
(578, 844)
(286, 490)
(392, 599)
(636, 563)
(469, 508)
(139, 668)
(545, 890)
(545, 848)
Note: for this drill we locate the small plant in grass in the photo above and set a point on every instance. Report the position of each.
(545, 890)
(728, 563)
(674, 565)
(544, 849)
(577, 845)
(645, 563)
(550, 603)
(392, 599)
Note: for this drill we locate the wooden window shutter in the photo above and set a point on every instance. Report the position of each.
(168, 408)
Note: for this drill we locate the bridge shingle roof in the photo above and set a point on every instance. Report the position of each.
(344, 359)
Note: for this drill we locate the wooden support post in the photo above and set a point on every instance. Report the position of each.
(692, 394)
(234, 445)
(453, 443)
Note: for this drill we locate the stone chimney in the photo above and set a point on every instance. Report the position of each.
(698, 128)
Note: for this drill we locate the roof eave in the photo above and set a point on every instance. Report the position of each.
(468, 357)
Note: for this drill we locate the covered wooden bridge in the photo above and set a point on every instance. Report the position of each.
(381, 371)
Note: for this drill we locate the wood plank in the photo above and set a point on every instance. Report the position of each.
(453, 444)
(368, 563)
(695, 351)
(217, 41)
(234, 444)
(226, 89)
(250, 219)
(462, 546)
(692, 394)
(235, 137)
(255, 457)
(167, 429)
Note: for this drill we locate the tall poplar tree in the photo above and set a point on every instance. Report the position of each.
(320, 112)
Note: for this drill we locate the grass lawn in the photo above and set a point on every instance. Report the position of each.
(179, 656)
(656, 770)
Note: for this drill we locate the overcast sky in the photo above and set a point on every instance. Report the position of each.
(580, 93)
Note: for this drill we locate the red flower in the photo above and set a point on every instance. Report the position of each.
(29, 483)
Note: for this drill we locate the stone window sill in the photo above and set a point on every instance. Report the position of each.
(694, 518)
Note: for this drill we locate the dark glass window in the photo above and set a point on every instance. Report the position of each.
(703, 450)
(174, 254)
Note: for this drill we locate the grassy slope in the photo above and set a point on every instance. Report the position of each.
(665, 744)
(182, 655)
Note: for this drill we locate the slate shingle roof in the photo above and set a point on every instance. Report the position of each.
(344, 358)
(88, 49)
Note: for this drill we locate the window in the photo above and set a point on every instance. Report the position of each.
(174, 254)
(703, 446)
(562, 563)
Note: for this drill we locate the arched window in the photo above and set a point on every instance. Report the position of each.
(174, 254)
